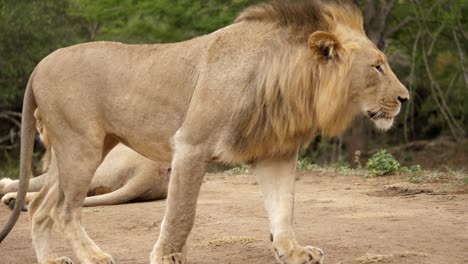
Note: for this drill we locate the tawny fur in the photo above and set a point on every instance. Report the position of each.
(255, 91)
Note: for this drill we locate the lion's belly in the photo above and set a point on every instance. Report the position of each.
(146, 128)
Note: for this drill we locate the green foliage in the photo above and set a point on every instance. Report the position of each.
(433, 64)
(29, 31)
(346, 169)
(306, 165)
(155, 21)
(9, 168)
(410, 169)
(239, 170)
(414, 179)
(382, 163)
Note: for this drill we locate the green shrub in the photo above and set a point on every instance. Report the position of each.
(410, 169)
(382, 163)
(239, 170)
(414, 179)
(346, 169)
(306, 165)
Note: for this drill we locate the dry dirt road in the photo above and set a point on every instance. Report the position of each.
(354, 220)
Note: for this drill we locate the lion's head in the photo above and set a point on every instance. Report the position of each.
(378, 92)
(318, 72)
(369, 85)
(351, 64)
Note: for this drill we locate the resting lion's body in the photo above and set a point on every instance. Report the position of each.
(124, 176)
(252, 92)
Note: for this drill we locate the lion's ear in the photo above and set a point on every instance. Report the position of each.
(324, 45)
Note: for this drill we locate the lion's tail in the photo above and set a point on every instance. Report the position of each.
(28, 129)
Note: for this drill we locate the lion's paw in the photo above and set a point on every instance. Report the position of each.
(301, 255)
(7, 198)
(61, 260)
(176, 258)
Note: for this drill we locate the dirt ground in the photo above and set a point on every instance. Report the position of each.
(353, 219)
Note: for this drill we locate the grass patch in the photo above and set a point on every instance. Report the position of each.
(380, 164)
(447, 176)
(239, 170)
(414, 179)
(307, 165)
(338, 168)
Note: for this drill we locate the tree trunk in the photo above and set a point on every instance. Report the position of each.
(376, 14)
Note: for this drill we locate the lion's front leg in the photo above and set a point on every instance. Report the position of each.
(276, 178)
(188, 168)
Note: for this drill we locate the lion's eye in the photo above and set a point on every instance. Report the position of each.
(379, 68)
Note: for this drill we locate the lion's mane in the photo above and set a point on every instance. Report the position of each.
(294, 94)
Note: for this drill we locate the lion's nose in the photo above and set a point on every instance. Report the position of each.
(402, 99)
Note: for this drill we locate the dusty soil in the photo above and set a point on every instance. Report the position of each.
(354, 220)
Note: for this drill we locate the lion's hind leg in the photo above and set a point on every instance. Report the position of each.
(41, 217)
(77, 159)
(59, 202)
(42, 220)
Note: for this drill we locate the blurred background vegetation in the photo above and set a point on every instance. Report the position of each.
(426, 42)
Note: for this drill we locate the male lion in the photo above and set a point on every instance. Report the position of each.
(252, 92)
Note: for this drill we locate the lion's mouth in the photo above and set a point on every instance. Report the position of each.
(381, 119)
(378, 115)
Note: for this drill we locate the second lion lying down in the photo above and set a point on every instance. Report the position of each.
(124, 176)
